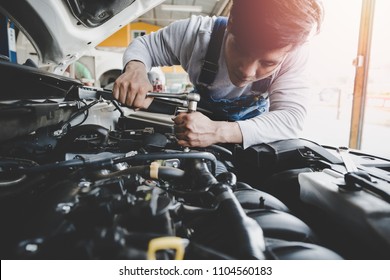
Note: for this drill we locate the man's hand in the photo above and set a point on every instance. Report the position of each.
(131, 87)
(197, 130)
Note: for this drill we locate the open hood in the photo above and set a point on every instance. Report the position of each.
(63, 30)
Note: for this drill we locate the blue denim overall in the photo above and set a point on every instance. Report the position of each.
(240, 108)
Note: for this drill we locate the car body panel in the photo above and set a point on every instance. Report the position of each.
(57, 35)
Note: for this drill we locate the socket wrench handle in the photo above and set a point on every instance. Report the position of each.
(192, 98)
(350, 166)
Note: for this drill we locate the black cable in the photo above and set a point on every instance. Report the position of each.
(79, 112)
(186, 193)
(170, 172)
(179, 155)
(101, 160)
(246, 231)
(86, 114)
(164, 172)
(12, 182)
(54, 166)
(98, 161)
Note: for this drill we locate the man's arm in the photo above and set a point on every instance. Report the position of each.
(289, 94)
(172, 45)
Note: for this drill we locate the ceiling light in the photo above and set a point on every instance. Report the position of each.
(181, 8)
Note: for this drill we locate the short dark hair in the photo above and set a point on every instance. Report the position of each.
(273, 24)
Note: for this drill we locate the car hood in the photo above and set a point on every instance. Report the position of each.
(63, 30)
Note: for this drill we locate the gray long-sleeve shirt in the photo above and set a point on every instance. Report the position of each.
(185, 43)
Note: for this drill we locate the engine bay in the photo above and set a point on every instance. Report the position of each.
(80, 179)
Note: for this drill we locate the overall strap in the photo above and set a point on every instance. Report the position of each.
(210, 64)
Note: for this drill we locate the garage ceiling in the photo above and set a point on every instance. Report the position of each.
(172, 10)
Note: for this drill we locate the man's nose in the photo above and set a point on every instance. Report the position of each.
(248, 68)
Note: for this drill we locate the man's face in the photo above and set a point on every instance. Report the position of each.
(245, 66)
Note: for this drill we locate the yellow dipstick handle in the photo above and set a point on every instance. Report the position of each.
(165, 243)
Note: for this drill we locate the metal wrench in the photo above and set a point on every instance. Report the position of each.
(354, 178)
(347, 160)
(191, 97)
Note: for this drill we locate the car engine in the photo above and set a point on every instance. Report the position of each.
(75, 186)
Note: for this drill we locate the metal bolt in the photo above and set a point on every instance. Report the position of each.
(64, 208)
(31, 247)
(85, 186)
